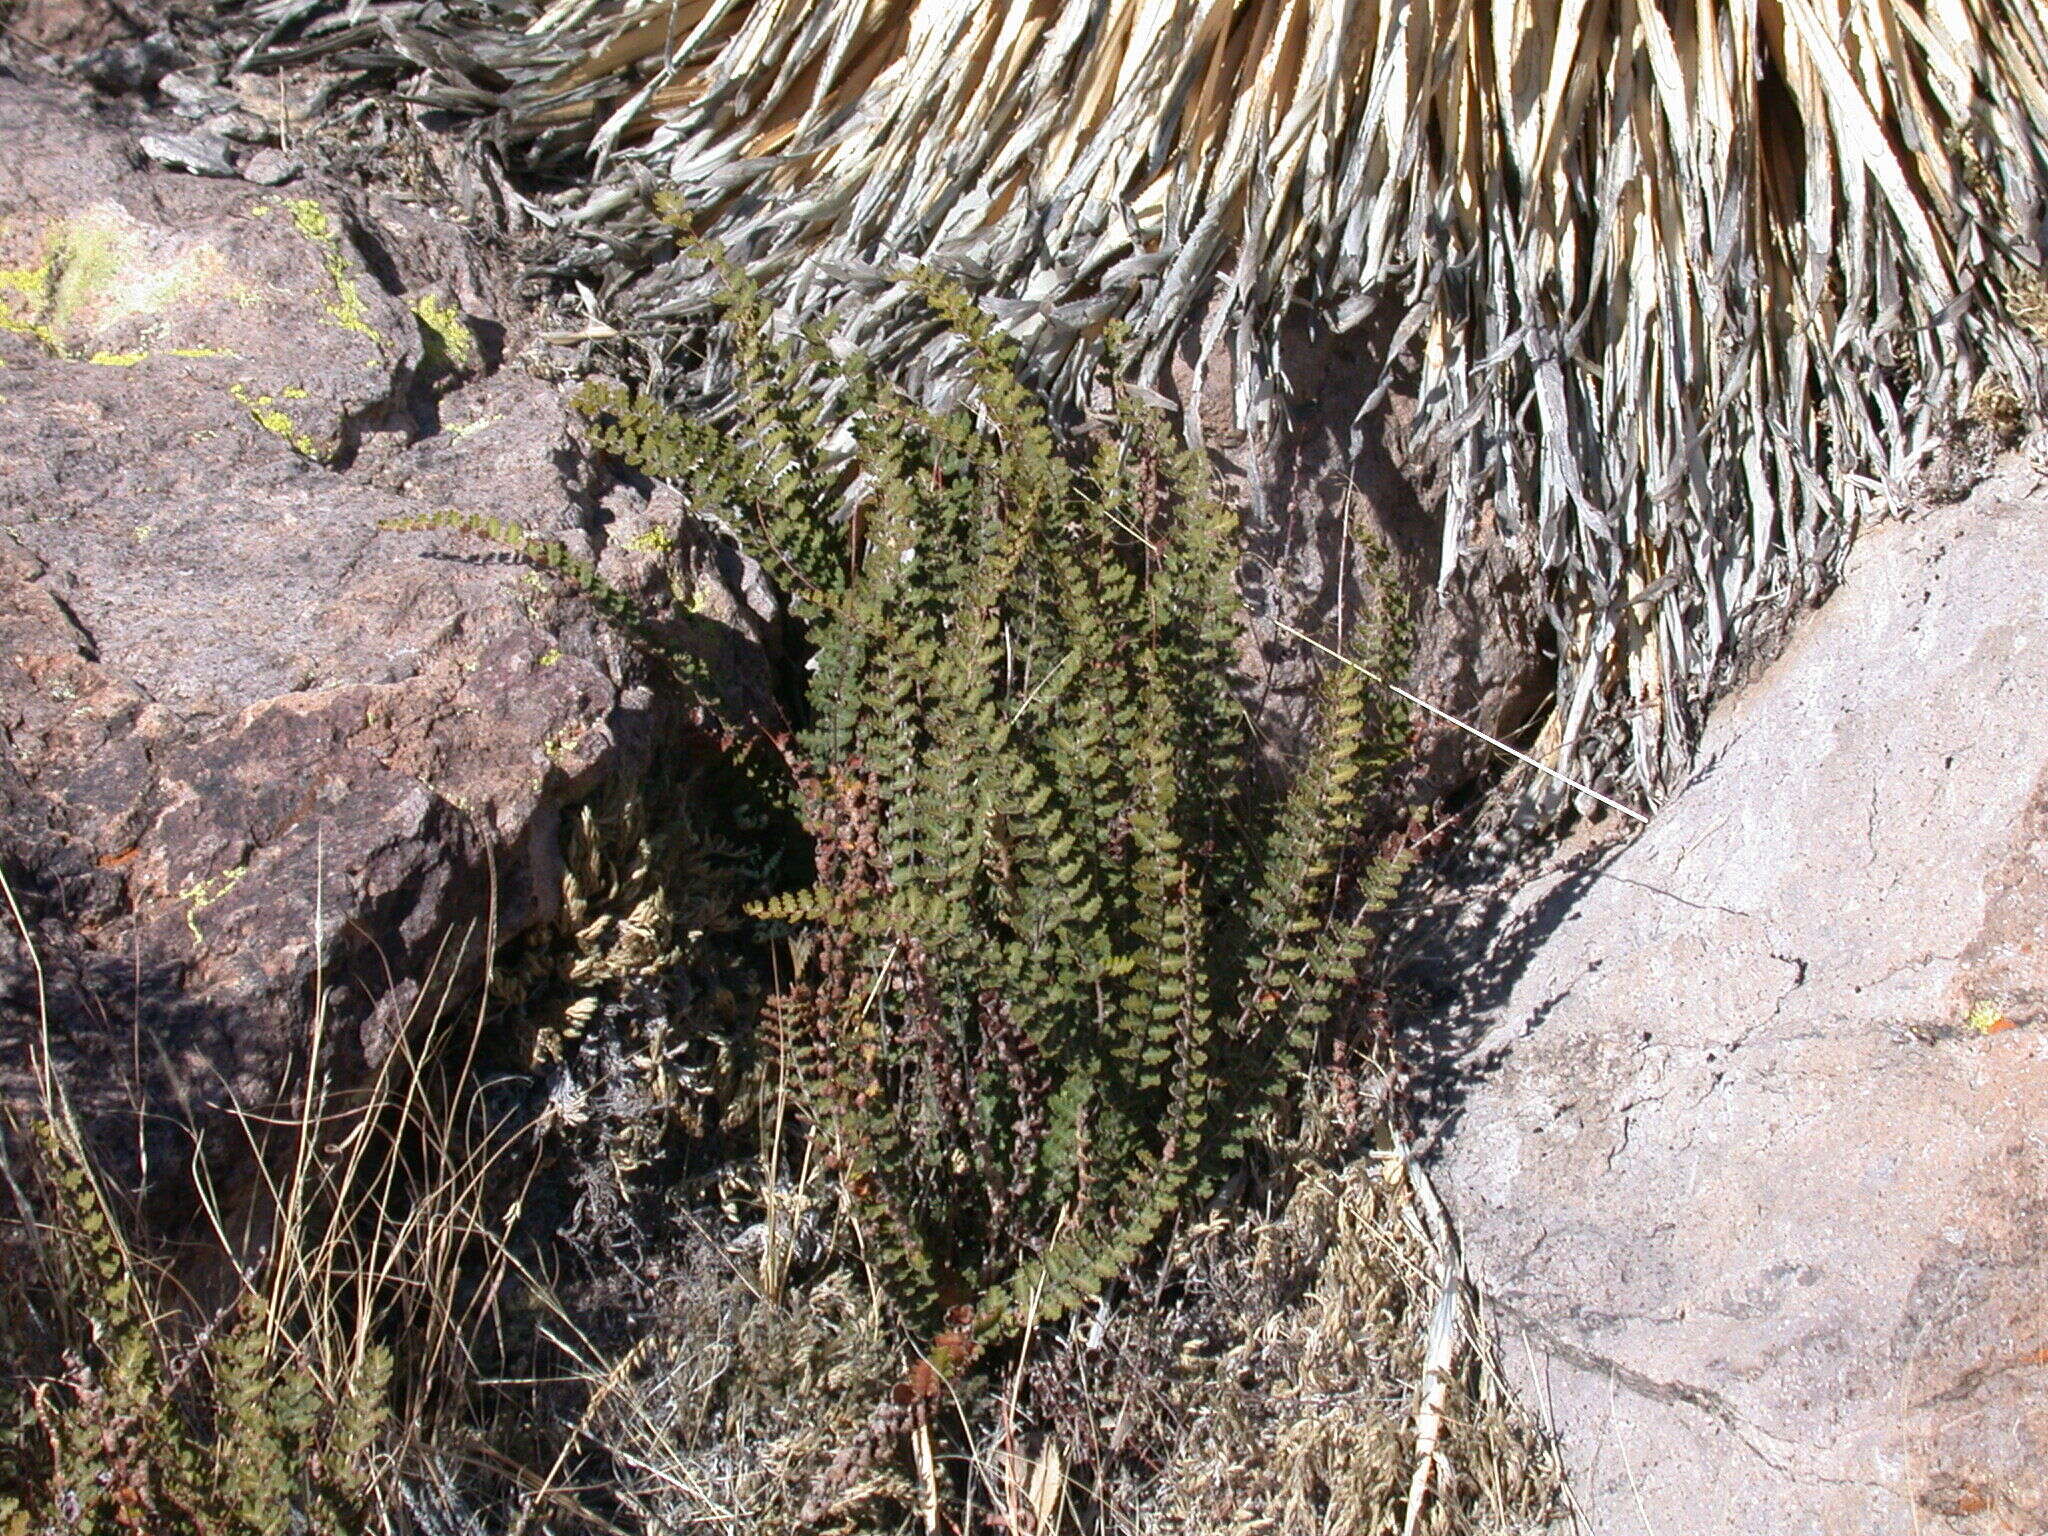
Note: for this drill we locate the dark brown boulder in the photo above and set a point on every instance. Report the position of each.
(262, 761)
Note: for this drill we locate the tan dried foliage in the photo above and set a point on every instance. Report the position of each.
(1686, 285)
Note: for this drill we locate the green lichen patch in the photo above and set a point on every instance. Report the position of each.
(1988, 1016)
(94, 254)
(450, 343)
(24, 298)
(657, 540)
(131, 359)
(266, 412)
(464, 428)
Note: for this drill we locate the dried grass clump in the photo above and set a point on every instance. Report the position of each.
(634, 1006)
(303, 1364)
(1315, 1371)
(1685, 285)
(1318, 1370)
(738, 1410)
(365, 1304)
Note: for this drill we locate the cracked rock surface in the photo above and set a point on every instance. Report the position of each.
(1748, 1136)
(257, 754)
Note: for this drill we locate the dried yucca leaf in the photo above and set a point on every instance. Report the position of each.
(1689, 282)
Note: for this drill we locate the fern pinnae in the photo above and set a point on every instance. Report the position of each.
(1060, 954)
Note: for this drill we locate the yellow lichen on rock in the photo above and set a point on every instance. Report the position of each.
(450, 341)
(346, 308)
(98, 270)
(266, 413)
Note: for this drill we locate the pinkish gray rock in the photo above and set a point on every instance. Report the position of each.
(1753, 1159)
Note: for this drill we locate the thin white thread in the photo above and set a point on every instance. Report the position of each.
(1446, 716)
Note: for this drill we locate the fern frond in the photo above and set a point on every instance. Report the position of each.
(581, 577)
(1057, 958)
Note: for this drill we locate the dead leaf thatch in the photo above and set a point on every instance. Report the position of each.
(1689, 283)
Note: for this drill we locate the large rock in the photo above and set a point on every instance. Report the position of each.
(262, 761)
(1340, 518)
(65, 29)
(1752, 1157)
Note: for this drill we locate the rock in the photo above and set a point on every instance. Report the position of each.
(242, 128)
(270, 168)
(1338, 519)
(262, 761)
(73, 29)
(202, 154)
(1749, 1149)
(192, 94)
(135, 65)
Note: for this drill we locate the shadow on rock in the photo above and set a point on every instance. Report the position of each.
(1464, 940)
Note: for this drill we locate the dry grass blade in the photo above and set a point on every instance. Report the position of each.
(1329, 1373)
(304, 1366)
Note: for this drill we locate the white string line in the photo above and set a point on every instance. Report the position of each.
(1449, 718)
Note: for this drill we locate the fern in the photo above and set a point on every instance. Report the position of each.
(238, 1440)
(554, 557)
(1061, 952)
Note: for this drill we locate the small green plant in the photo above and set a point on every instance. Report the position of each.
(229, 1436)
(1062, 952)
